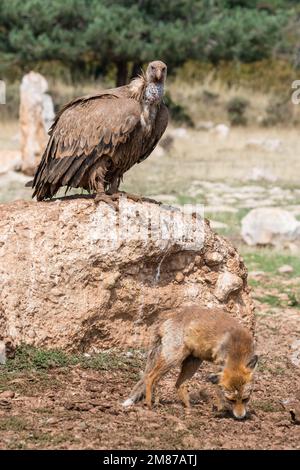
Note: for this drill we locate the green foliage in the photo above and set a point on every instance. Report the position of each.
(236, 108)
(88, 36)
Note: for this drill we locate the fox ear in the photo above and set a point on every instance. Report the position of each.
(214, 378)
(252, 364)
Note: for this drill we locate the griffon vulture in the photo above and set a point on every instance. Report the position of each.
(95, 139)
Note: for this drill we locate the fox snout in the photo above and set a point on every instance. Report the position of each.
(239, 410)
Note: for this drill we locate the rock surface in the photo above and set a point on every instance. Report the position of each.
(270, 226)
(36, 115)
(83, 277)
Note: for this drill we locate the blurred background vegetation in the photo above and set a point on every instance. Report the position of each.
(222, 45)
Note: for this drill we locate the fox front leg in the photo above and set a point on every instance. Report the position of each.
(220, 402)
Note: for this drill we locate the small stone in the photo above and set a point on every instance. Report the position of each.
(52, 420)
(7, 394)
(189, 268)
(285, 269)
(83, 406)
(31, 334)
(82, 425)
(221, 130)
(179, 277)
(256, 274)
(226, 284)
(2, 353)
(212, 258)
(111, 280)
(69, 406)
(198, 261)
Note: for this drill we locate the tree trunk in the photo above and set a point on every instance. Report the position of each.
(136, 69)
(122, 73)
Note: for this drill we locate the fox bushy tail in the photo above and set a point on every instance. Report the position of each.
(139, 390)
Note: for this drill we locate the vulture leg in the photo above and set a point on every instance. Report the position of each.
(114, 185)
(103, 197)
(98, 182)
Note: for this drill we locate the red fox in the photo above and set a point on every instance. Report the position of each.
(191, 335)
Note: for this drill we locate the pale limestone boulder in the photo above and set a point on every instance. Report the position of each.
(270, 226)
(36, 116)
(82, 277)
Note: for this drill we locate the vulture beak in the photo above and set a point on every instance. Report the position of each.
(158, 75)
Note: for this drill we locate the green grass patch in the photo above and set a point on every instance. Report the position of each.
(254, 283)
(269, 261)
(13, 423)
(30, 358)
(271, 300)
(231, 219)
(183, 199)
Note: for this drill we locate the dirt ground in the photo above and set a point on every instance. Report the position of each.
(52, 404)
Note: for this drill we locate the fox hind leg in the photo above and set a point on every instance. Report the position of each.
(152, 378)
(189, 367)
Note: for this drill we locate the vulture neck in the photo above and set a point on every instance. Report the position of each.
(150, 96)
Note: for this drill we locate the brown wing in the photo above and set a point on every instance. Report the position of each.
(161, 123)
(85, 129)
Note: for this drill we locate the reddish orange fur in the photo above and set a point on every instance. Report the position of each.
(191, 335)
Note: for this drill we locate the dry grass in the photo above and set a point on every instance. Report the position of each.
(204, 156)
(206, 101)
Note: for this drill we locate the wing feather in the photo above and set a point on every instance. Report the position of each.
(87, 127)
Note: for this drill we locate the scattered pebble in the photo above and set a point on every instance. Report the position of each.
(7, 394)
(285, 269)
(179, 277)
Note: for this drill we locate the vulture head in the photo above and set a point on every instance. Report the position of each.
(156, 72)
(155, 80)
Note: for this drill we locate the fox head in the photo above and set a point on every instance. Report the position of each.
(235, 382)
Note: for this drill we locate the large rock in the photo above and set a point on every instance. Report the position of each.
(36, 115)
(270, 226)
(81, 277)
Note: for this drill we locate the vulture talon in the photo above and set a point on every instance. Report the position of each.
(102, 197)
(134, 197)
